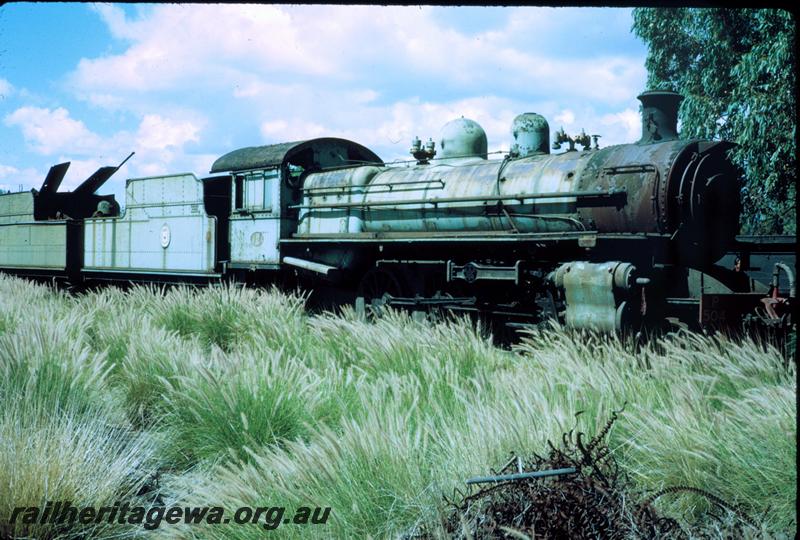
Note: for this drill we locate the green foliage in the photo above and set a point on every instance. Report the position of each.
(736, 69)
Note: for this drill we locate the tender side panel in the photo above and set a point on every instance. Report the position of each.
(16, 207)
(164, 229)
(41, 245)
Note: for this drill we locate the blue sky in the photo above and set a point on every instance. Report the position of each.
(182, 84)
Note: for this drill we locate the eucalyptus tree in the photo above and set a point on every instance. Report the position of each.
(736, 69)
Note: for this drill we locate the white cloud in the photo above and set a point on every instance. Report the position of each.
(6, 88)
(51, 131)
(248, 90)
(263, 74)
(173, 43)
(293, 130)
(388, 129)
(159, 142)
(6, 171)
(48, 131)
(566, 117)
(406, 120)
(114, 18)
(364, 96)
(156, 132)
(200, 164)
(183, 47)
(79, 170)
(105, 101)
(153, 168)
(627, 123)
(15, 179)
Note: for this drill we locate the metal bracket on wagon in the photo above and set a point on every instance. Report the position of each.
(472, 272)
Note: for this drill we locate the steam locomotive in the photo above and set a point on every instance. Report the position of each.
(604, 239)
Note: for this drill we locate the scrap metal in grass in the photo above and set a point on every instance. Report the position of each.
(576, 491)
(521, 476)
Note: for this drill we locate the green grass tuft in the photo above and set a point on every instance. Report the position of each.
(242, 402)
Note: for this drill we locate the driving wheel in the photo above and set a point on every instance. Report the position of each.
(376, 288)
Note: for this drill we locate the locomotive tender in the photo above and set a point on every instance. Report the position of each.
(599, 238)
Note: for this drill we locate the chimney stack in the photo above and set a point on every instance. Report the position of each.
(659, 116)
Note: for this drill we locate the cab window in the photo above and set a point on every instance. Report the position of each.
(255, 191)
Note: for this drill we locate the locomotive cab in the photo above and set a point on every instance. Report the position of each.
(267, 185)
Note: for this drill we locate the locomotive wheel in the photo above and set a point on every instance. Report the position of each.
(547, 309)
(374, 288)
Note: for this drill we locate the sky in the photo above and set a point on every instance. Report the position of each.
(183, 84)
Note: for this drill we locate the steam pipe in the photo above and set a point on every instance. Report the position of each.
(612, 197)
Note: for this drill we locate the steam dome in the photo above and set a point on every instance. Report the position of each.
(531, 134)
(463, 138)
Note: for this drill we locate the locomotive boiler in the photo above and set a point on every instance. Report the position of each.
(660, 185)
(598, 238)
(595, 236)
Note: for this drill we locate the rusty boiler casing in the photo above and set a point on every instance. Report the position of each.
(688, 190)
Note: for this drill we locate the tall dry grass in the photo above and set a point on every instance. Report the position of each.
(245, 399)
(63, 434)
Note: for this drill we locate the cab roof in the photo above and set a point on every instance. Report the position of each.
(324, 152)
